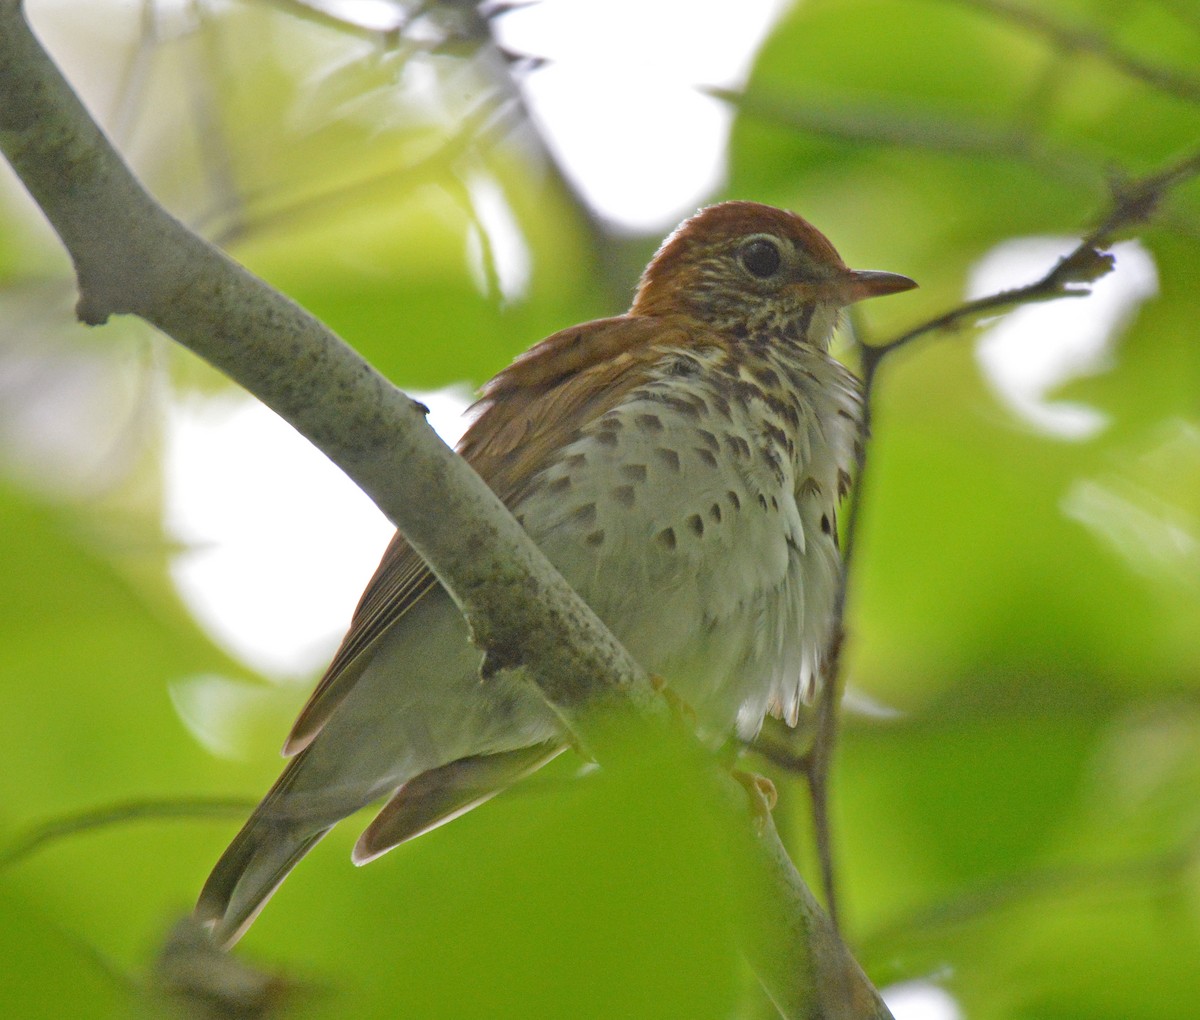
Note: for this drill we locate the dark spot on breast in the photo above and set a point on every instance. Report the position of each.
(666, 538)
(650, 422)
(560, 485)
(606, 438)
(714, 512)
(669, 457)
(595, 538)
(775, 403)
(585, 514)
(623, 494)
(734, 500)
(688, 408)
(775, 503)
(843, 413)
(762, 501)
(696, 523)
(748, 392)
(843, 483)
(707, 456)
(709, 440)
(767, 376)
(826, 527)
(684, 365)
(634, 472)
(576, 461)
(738, 446)
(775, 434)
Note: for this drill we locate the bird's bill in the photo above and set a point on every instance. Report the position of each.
(859, 284)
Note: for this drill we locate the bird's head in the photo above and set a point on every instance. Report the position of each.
(746, 268)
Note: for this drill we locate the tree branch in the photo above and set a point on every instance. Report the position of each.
(132, 257)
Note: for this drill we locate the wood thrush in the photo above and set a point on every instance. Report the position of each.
(681, 465)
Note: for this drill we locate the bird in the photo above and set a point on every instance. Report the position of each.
(682, 466)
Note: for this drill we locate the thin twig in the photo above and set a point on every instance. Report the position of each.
(1134, 203)
(1068, 37)
(893, 126)
(177, 808)
(1041, 884)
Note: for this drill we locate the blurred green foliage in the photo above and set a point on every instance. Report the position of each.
(1024, 831)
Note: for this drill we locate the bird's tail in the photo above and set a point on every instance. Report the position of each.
(270, 844)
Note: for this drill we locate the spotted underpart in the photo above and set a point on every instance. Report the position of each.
(709, 494)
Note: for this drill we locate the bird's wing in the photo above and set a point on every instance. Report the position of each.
(527, 412)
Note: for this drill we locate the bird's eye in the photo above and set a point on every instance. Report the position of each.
(761, 257)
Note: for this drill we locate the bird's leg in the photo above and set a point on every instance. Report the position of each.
(679, 708)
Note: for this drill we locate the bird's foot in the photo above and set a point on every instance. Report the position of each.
(762, 794)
